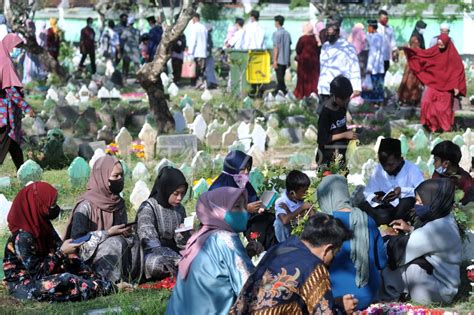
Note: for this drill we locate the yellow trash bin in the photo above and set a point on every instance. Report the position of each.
(258, 68)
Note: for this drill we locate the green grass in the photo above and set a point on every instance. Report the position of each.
(135, 302)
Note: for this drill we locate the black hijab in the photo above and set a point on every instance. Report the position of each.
(416, 33)
(438, 194)
(168, 180)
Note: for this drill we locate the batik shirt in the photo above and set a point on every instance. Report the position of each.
(11, 106)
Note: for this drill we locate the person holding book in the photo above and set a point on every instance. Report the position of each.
(157, 220)
(291, 204)
(390, 192)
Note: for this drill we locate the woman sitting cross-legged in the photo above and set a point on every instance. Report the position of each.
(157, 219)
(214, 265)
(356, 268)
(37, 264)
(425, 261)
(100, 212)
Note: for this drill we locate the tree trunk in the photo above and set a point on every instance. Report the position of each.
(16, 13)
(149, 74)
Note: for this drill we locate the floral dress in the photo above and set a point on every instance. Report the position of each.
(54, 278)
(11, 106)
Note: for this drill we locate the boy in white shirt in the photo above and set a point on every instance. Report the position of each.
(291, 204)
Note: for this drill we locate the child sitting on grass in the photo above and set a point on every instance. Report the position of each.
(291, 204)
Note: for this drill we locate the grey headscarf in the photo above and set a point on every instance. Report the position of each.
(333, 195)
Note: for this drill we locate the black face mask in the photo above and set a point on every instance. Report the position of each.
(116, 186)
(53, 212)
(332, 38)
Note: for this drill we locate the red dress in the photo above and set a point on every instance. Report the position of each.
(307, 51)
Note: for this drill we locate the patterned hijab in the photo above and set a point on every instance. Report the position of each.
(210, 209)
(104, 203)
(333, 195)
(8, 74)
(29, 213)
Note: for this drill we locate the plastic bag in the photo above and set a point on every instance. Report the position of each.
(367, 84)
(189, 67)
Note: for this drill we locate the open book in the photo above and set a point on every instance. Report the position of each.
(188, 224)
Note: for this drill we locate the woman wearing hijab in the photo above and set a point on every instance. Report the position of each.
(214, 265)
(37, 264)
(157, 220)
(441, 70)
(356, 268)
(307, 56)
(101, 213)
(411, 89)
(425, 260)
(53, 38)
(12, 103)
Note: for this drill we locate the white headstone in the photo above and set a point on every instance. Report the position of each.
(420, 140)
(459, 140)
(377, 143)
(173, 90)
(124, 141)
(430, 165)
(213, 138)
(257, 155)
(93, 88)
(269, 100)
(259, 137)
(148, 135)
(311, 134)
(139, 194)
(71, 99)
(280, 98)
(98, 153)
(38, 127)
(199, 127)
(468, 137)
(466, 159)
(103, 93)
(213, 125)
(367, 169)
(5, 206)
(115, 93)
(188, 112)
(84, 94)
(273, 121)
(164, 79)
(201, 160)
(140, 172)
(52, 94)
(273, 136)
(206, 96)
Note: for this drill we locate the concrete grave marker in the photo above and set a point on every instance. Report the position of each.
(259, 137)
(124, 141)
(199, 127)
(98, 153)
(148, 136)
(163, 163)
(420, 140)
(30, 171)
(169, 145)
(139, 194)
(188, 113)
(140, 172)
(79, 172)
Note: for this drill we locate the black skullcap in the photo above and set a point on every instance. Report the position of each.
(373, 23)
(420, 24)
(390, 146)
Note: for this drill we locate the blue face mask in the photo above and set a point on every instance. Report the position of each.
(441, 170)
(237, 220)
(422, 211)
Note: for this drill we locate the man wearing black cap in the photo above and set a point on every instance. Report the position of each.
(390, 192)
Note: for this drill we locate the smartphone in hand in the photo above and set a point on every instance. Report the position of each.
(130, 224)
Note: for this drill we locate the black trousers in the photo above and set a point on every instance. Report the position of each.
(386, 213)
(280, 74)
(8, 145)
(92, 59)
(177, 65)
(386, 65)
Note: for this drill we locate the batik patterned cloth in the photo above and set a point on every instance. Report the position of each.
(11, 106)
(54, 277)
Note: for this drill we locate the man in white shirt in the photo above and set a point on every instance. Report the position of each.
(338, 57)
(390, 50)
(236, 41)
(254, 33)
(444, 28)
(390, 192)
(375, 64)
(197, 46)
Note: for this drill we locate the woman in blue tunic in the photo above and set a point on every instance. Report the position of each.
(356, 268)
(214, 265)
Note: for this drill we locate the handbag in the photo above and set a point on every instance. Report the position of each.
(189, 67)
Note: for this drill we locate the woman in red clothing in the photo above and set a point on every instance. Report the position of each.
(53, 38)
(307, 56)
(441, 70)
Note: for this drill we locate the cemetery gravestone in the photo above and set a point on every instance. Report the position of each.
(259, 137)
(201, 161)
(5, 206)
(206, 96)
(180, 123)
(169, 145)
(163, 163)
(257, 155)
(79, 172)
(420, 140)
(458, 140)
(188, 113)
(200, 188)
(404, 144)
(435, 142)
(98, 153)
(148, 136)
(311, 134)
(30, 171)
(139, 194)
(199, 127)
(229, 137)
(256, 178)
(273, 121)
(140, 172)
(84, 94)
(273, 136)
(214, 139)
(173, 90)
(124, 141)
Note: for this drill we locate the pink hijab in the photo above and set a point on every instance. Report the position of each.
(210, 209)
(8, 75)
(358, 37)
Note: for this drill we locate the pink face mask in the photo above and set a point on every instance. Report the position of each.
(240, 179)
